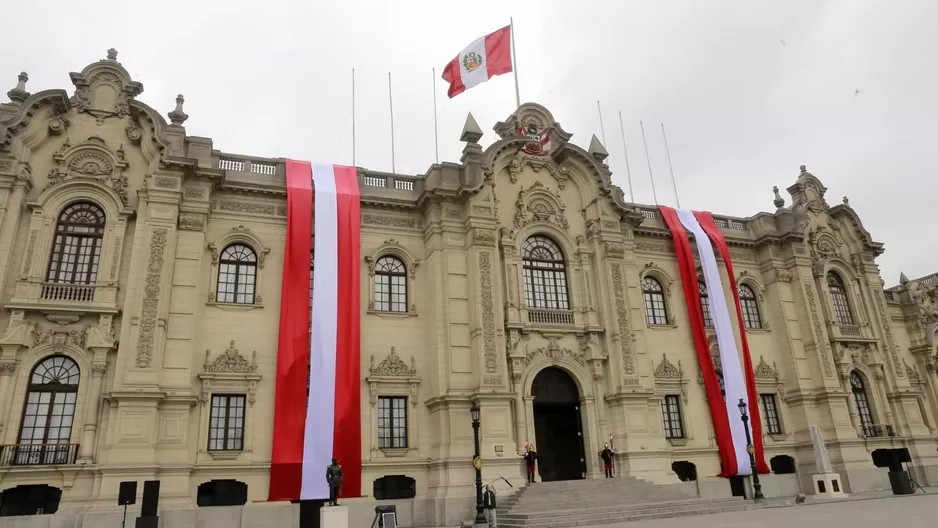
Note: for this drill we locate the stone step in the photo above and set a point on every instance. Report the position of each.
(515, 513)
(590, 519)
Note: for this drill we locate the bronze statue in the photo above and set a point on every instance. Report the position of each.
(334, 477)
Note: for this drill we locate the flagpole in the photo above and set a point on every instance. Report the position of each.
(353, 117)
(391, 106)
(436, 133)
(514, 63)
(602, 127)
(648, 160)
(628, 170)
(670, 167)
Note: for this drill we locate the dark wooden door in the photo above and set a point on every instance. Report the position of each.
(557, 426)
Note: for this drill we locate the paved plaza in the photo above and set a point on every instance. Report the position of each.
(912, 511)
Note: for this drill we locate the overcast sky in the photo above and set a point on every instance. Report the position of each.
(748, 90)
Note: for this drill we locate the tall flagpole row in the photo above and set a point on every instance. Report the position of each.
(514, 63)
(670, 167)
(391, 105)
(628, 170)
(648, 160)
(602, 128)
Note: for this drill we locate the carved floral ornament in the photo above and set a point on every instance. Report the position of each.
(230, 371)
(393, 366)
(393, 377)
(538, 204)
(670, 377)
(231, 361)
(91, 160)
(553, 352)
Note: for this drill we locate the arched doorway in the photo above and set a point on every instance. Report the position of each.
(558, 430)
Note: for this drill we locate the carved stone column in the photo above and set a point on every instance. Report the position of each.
(854, 413)
(92, 405)
(7, 368)
(9, 219)
(520, 414)
(886, 406)
(529, 435)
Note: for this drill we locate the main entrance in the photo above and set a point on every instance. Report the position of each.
(558, 430)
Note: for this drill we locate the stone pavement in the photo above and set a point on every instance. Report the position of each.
(909, 511)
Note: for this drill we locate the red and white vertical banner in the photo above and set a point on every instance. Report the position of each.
(317, 408)
(738, 376)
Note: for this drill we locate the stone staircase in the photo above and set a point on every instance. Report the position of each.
(604, 501)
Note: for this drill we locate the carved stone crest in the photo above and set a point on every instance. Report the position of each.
(91, 160)
(231, 361)
(538, 204)
(764, 371)
(667, 370)
(554, 352)
(393, 366)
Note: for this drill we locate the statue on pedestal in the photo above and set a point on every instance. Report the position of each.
(334, 477)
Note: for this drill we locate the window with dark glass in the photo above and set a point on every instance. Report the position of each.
(835, 285)
(750, 307)
(226, 427)
(863, 404)
(722, 384)
(545, 275)
(49, 412)
(653, 295)
(772, 423)
(392, 422)
(390, 285)
(76, 248)
(393, 487)
(671, 416)
(705, 304)
(237, 271)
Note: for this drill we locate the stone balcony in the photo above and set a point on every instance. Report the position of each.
(63, 297)
(38, 454)
(855, 333)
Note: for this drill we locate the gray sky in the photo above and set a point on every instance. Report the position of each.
(748, 90)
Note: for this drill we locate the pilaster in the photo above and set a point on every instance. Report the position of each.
(13, 190)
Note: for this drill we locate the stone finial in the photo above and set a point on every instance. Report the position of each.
(597, 150)
(803, 169)
(19, 94)
(779, 201)
(112, 54)
(846, 201)
(178, 116)
(902, 278)
(471, 133)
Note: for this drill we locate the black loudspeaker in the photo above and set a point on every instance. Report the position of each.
(309, 513)
(147, 522)
(901, 485)
(151, 498)
(903, 454)
(127, 494)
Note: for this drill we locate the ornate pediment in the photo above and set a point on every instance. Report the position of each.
(90, 160)
(538, 204)
(393, 366)
(667, 370)
(104, 89)
(231, 361)
(554, 352)
(765, 371)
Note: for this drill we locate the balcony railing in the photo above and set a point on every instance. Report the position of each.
(38, 454)
(550, 317)
(878, 431)
(52, 291)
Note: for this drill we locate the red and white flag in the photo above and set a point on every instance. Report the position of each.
(485, 58)
(317, 408)
(738, 377)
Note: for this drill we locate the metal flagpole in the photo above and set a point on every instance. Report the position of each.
(628, 170)
(670, 167)
(647, 159)
(514, 63)
(353, 117)
(602, 128)
(391, 105)
(436, 134)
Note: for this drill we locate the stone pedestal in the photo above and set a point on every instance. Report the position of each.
(333, 517)
(828, 486)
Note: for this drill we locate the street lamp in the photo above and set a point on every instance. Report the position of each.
(756, 487)
(476, 413)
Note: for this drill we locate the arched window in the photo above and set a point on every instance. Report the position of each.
(390, 285)
(545, 275)
(750, 307)
(49, 412)
(835, 285)
(655, 311)
(76, 249)
(705, 304)
(863, 404)
(237, 271)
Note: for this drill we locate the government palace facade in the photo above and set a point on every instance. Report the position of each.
(140, 298)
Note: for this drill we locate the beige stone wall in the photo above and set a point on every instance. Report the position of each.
(147, 336)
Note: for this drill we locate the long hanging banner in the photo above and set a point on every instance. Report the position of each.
(317, 409)
(729, 428)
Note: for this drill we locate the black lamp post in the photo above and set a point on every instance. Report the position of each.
(756, 487)
(476, 413)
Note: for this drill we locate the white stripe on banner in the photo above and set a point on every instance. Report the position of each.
(320, 409)
(733, 379)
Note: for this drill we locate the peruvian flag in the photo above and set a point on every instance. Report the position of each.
(738, 377)
(485, 58)
(317, 406)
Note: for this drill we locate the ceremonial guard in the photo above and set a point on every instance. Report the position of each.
(530, 457)
(607, 454)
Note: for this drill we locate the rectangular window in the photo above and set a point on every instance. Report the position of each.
(392, 422)
(671, 415)
(772, 424)
(226, 428)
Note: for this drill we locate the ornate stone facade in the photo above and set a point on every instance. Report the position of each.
(473, 325)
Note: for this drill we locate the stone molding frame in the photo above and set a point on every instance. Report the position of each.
(671, 381)
(229, 373)
(235, 235)
(395, 249)
(654, 271)
(851, 285)
(759, 289)
(393, 377)
(769, 381)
